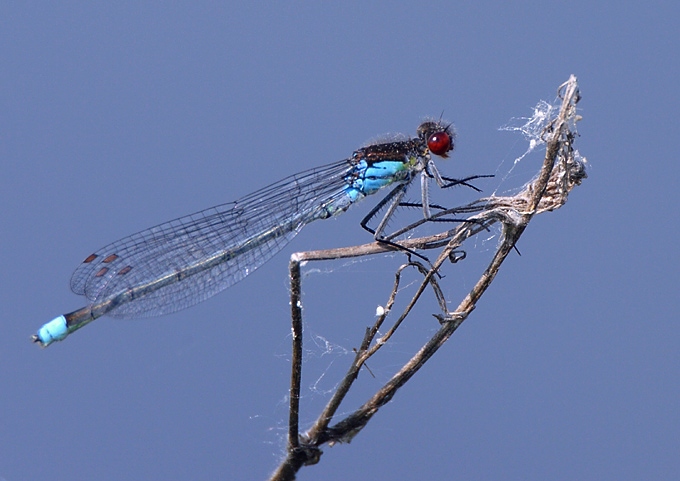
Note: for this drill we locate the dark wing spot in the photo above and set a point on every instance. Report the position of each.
(102, 272)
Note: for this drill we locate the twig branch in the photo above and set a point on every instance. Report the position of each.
(562, 170)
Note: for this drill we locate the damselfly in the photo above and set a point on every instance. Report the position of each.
(185, 261)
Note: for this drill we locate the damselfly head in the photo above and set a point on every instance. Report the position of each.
(438, 136)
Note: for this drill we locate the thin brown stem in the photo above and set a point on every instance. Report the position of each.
(561, 171)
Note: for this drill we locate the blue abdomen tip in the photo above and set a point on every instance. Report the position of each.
(55, 330)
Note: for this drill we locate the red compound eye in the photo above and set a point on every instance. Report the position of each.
(439, 143)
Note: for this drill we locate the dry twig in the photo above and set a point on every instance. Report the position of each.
(562, 170)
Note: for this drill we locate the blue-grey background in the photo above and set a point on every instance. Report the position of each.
(118, 116)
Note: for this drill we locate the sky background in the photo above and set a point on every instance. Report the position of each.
(118, 116)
